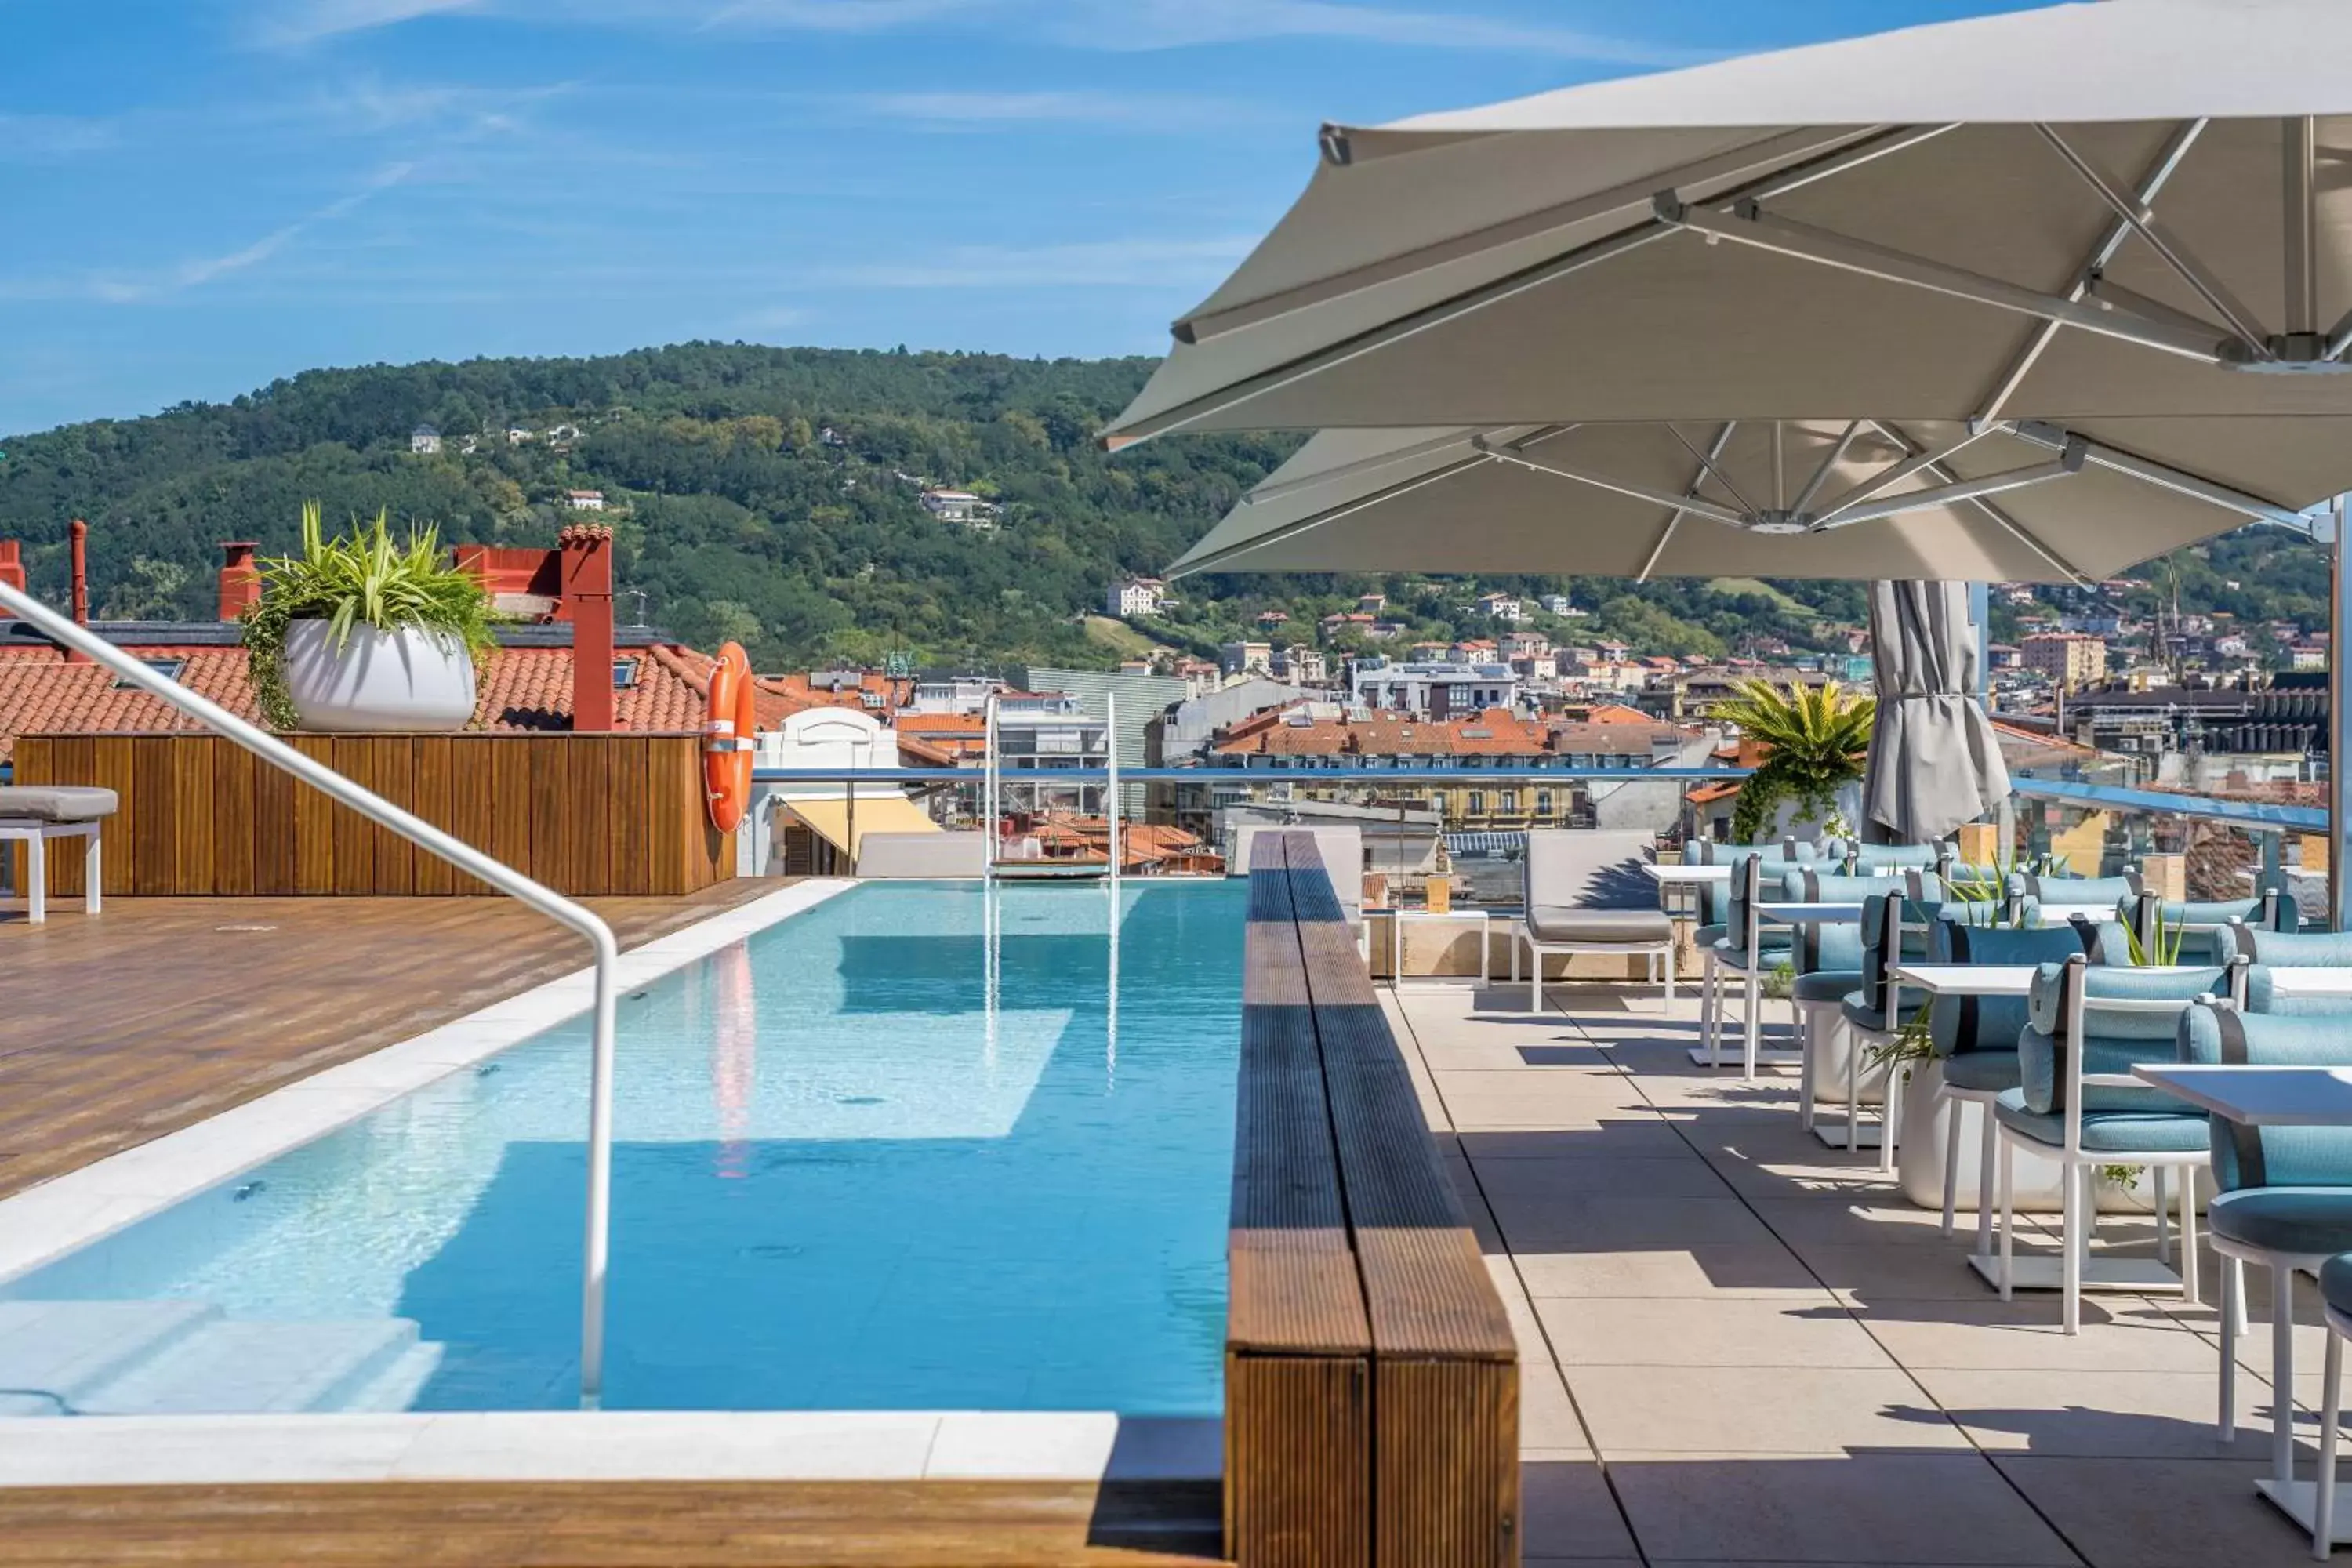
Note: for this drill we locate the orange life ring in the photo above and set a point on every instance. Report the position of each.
(729, 737)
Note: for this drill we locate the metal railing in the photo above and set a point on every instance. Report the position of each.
(70, 634)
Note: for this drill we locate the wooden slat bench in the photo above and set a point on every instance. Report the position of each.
(1371, 1383)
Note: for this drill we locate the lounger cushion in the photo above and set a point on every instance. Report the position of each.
(1985, 1072)
(1708, 936)
(1556, 923)
(2285, 1219)
(1825, 984)
(2107, 1132)
(55, 803)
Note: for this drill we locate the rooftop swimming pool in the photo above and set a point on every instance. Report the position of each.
(901, 1150)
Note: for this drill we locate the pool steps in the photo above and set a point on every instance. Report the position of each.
(162, 1358)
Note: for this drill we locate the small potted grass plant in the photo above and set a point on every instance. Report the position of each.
(360, 633)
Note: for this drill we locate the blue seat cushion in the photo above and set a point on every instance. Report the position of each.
(1708, 936)
(1861, 1016)
(2335, 1283)
(2285, 1219)
(1987, 1072)
(2107, 1132)
(1825, 984)
(1771, 953)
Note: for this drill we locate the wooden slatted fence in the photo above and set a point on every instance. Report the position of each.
(586, 815)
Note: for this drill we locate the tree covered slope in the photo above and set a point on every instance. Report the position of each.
(772, 495)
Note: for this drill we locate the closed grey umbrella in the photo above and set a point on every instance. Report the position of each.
(1933, 762)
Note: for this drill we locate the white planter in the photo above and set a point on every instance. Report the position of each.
(409, 679)
(1920, 1158)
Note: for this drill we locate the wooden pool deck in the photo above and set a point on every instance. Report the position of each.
(161, 1012)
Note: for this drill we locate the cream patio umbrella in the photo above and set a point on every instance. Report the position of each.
(2119, 219)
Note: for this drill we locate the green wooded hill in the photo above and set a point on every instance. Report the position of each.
(771, 495)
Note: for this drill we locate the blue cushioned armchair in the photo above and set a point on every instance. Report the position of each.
(1975, 1040)
(2077, 1103)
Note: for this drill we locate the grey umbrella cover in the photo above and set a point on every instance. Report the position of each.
(1934, 763)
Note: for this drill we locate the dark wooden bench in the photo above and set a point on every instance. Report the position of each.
(1372, 1383)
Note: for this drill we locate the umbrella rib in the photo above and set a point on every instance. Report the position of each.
(1275, 489)
(1901, 469)
(1692, 504)
(1956, 490)
(1288, 531)
(2163, 476)
(2024, 535)
(1675, 517)
(2168, 161)
(2302, 259)
(2242, 321)
(1821, 474)
(1750, 225)
(1707, 464)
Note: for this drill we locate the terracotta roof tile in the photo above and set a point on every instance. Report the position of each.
(522, 688)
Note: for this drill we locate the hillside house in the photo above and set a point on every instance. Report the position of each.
(425, 441)
(1502, 607)
(1135, 596)
(959, 506)
(584, 501)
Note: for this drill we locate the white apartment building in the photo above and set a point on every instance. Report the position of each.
(1433, 689)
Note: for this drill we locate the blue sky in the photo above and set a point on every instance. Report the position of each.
(198, 195)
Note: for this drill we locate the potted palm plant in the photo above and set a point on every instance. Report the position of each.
(1815, 743)
(360, 633)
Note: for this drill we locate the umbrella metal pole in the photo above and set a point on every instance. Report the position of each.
(2339, 722)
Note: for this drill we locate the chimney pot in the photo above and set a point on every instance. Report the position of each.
(77, 537)
(586, 554)
(240, 580)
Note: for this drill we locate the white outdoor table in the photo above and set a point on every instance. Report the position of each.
(1967, 979)
(2059, 914)
(2273, 1097)
(1661, 872)
(2312, 981)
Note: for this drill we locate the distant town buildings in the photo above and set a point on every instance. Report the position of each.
(1244, 659)
(2070, 659)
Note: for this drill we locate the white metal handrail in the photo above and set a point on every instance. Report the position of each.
(458, 853)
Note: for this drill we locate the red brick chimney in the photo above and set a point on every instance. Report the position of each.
(240, 582)
(77, 533)
(12, 567)
(587, 566)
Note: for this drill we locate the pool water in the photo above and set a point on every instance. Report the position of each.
(861, 1162)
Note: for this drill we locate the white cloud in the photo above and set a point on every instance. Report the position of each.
(978, 110)
(1179, 24)
(294, 23)
(1110, 24)
(1111, 263)
(125, 289)
(41, 138)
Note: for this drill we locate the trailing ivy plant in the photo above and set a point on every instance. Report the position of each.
(362, 579)
(1815, 741)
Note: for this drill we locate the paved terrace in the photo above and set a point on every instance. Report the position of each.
(1739, 1347)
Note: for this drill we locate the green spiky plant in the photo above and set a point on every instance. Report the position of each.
(2162, 948)
(1815, 741)
(362, 579)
